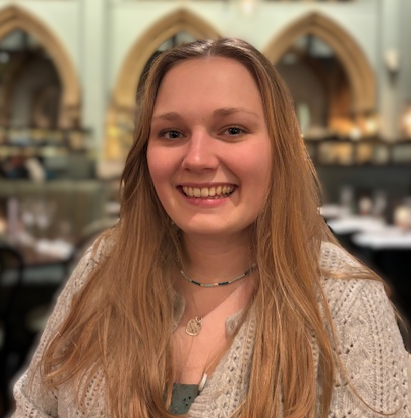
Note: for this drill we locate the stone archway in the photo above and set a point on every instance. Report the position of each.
(13, 18)
(180, 20)
(359, 72)
(122, 104)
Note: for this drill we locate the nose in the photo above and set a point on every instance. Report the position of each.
(201, 152)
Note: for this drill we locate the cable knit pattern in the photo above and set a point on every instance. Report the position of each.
(370, 346)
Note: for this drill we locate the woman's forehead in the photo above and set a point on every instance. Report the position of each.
(216, 82)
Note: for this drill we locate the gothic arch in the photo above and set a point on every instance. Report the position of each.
(359, 72)
(143, 48)
(12, 18)
(121, 109)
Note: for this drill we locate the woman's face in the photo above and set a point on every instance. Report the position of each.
(209, 153)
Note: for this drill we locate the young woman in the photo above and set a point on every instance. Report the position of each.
(221, 292)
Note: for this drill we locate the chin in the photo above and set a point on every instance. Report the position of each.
(213, 230)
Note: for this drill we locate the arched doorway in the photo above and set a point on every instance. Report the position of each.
(15, 19)
(315, 48)
(30, 88)
(177, 27)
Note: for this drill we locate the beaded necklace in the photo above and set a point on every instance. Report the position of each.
(225, 283)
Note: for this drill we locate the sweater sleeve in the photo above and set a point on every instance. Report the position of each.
(376, 377)
(32, 398)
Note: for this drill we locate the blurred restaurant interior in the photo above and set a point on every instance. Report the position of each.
(68, 76)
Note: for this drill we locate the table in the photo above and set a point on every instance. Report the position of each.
(356, 223)
(389, 237)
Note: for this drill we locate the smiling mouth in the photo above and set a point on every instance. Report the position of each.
(217, 192)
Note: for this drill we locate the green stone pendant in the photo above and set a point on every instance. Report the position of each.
(182, 398)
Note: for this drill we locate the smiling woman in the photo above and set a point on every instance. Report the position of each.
(221, 292)
(210, 160)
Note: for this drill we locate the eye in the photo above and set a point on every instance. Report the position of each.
(234, 131)
(170, 134)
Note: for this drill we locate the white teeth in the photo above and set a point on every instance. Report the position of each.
(216, 192)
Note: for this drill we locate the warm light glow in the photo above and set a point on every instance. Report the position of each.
(248, 6)
(405, 121)
(355, 133)
(371, 125)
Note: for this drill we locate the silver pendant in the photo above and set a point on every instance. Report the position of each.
(193, 326)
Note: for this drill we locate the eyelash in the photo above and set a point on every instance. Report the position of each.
(241, 130)
(166, 133)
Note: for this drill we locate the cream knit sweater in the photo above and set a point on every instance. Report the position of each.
(371, 348)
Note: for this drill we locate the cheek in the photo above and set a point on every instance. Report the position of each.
(257, 170)
(158, 177)
(257, 174)
(157, 166)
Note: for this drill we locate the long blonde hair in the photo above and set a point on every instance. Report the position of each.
(121, 320)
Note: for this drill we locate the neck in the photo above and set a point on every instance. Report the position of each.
(209, 259)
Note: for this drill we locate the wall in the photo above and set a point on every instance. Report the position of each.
(99, 33)
(61, 16)
(404, 79)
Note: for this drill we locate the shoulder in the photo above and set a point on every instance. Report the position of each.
(76, 280)
(346, 288)
(335, 259)
(354, 301)
(369, 342)
(91, 258)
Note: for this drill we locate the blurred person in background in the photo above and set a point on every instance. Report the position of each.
(221, 292)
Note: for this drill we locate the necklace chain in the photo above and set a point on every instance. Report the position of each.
(225, 283)
(194, 325)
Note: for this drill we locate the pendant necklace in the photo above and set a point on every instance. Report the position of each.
(194, 325)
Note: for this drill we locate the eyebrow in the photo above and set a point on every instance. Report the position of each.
(225, 111)
(167, 116)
